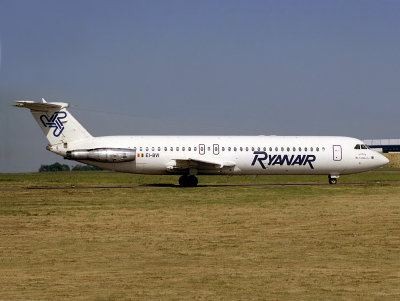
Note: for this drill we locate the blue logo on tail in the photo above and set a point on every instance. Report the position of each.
(54, 121)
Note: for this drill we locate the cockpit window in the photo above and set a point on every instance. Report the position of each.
(363, 146)
(357, 146)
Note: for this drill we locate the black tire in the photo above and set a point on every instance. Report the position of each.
(193, 181)
(183, 181)
(332, 180)
(188, 181)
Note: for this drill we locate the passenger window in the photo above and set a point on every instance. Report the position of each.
(252, 149)
(189, 148)
(294, 149)
(311, 149)
(234, 148)
(183, 148)
(152, 149)
(177, 148)
(323, 149)
(282, 149)
(141, 149)
(159, 148)
(195, 149)
(305, 149)
(247, 149)
(299, 149)
(276, 149)
(264, 148)
(241, 149)
(317, 149)
(147, 149)
(165, 148)
(223, 149)
(258, 148)
(171, 148)
(229, 149)
(209, 148)
(288, 149)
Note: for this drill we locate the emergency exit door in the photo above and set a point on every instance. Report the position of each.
(216, 149)
(202, 149)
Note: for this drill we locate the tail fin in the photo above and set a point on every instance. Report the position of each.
(56, 122)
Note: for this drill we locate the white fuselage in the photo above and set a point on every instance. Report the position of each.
(245, 155)
(192, 155)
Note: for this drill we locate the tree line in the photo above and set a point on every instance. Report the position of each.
(64, 167)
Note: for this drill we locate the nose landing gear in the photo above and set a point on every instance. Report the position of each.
(188, 181)
(333, 179)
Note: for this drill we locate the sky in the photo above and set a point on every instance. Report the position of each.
(199, 68)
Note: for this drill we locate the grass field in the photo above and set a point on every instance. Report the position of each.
(279, 242)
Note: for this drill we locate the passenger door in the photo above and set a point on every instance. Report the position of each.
(337, 153)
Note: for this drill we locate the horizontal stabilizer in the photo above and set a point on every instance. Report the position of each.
(41, 106)
(56, 122)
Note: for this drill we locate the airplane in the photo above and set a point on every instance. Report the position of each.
(189, 156)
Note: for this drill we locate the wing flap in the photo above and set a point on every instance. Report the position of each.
(187, 164)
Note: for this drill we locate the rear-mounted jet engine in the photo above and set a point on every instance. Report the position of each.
(109, 155)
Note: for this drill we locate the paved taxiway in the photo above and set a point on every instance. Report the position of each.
(199, 186)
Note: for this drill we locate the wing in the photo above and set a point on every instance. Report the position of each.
(185, 165)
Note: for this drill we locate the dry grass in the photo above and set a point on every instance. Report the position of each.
(223, 243)
(394, 160)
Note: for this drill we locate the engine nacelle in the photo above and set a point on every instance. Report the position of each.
(109, 155)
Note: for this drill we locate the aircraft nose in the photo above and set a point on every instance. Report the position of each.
(382, 160)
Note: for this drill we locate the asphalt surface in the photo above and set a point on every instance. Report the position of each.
(199, 186)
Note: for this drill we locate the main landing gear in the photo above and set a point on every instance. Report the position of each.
(333, 179)
(188, 181)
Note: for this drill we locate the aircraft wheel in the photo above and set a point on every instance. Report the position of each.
(193, 181)
(332, 180)
(183, 181)
(188, 181)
